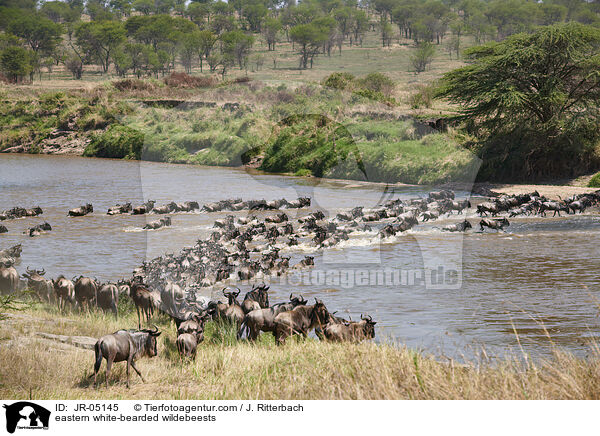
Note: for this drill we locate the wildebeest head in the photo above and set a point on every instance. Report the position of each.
(319, 313)
(151, 342)
(369, 328)
(260, 294)
(232, 296)
(298, 301)
(34, 273)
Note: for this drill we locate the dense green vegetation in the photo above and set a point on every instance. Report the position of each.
(532, 101)
(370, 58)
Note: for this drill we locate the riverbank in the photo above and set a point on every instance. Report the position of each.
(36, 367)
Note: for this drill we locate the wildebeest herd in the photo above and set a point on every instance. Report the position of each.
(248, 249)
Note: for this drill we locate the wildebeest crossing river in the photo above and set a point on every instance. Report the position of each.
(450, 294)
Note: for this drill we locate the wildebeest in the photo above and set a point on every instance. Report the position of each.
(119, 209)
(85, 292)
(187, 344)
(257, 298)
(484, 208)
(3, 229)
(299, 203)
(43, 288)
(107, 298)
(125, 345)
(306, 262)
(232, 311)
(353, 331)
(154, 225)
(144, 301)
(64, 289)
(144, 208)
(264, 319)
(459, 206)
(299, 320)
(81, 211)
(38, 229)
(441, 195)
(458, 227)
(167, 208)
(9, 278)
(496, 223)
(554, 206)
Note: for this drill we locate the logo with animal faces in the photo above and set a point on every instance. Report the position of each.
(25, 415)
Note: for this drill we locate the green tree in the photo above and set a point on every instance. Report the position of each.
(99, 39)
(270, 29)
(309, 38)
(16, 63)
(532, 100)
(40, 33)
(237, 46)
(422, 56)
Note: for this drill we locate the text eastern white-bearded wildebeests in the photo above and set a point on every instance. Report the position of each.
(64, 289)
(352, 331)
(300, 321)
(43, 288)
(9, 278)
(85, 292)
(107, 298)
(264, 319)
(81, 211)
(125, 345)
(257, 298)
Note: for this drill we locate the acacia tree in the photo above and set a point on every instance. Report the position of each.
(98, 40)
(532, 100)
(309, 39)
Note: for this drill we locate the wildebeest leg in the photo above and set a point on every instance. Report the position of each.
(98, 363)
(137, 308)
(137, 370)
(109, 362)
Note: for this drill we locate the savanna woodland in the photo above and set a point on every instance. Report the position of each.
(413, 91)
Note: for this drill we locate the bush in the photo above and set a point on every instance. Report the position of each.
(133, 85)
(594, 181)
(183, 80)
(339, 80)
(422, 97)
(116, 142)
(377, 82)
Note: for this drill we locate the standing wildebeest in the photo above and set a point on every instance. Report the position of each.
(9, 278)
(64, 290)
(125, 345)
(264, 319)
(257, 298)
(81, 211)
(43, 288)
(143, 300)
(107, 298)
(233, 312)
(496, 224)
(351, 332)
(300, 321)
(187, 344)
(85, 292)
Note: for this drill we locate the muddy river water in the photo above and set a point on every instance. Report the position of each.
(451, 295)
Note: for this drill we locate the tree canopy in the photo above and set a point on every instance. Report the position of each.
(539, 91)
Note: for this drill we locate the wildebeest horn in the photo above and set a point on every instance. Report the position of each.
(28, 270)
(42, 271)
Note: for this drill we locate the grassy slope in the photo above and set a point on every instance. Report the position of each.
(226, 369)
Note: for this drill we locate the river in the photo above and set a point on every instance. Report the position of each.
(450, 295)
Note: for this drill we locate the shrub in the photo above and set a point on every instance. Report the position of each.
(116, 142)
(339, 80)
(133, 85)
(594, 181)
(377, 82)
(183, 80)
(422, 97)
(242, 79)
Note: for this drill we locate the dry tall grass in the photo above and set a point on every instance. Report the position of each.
(225, 369)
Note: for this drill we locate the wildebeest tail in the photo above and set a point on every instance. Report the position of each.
(98, 363)
(243, 327)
